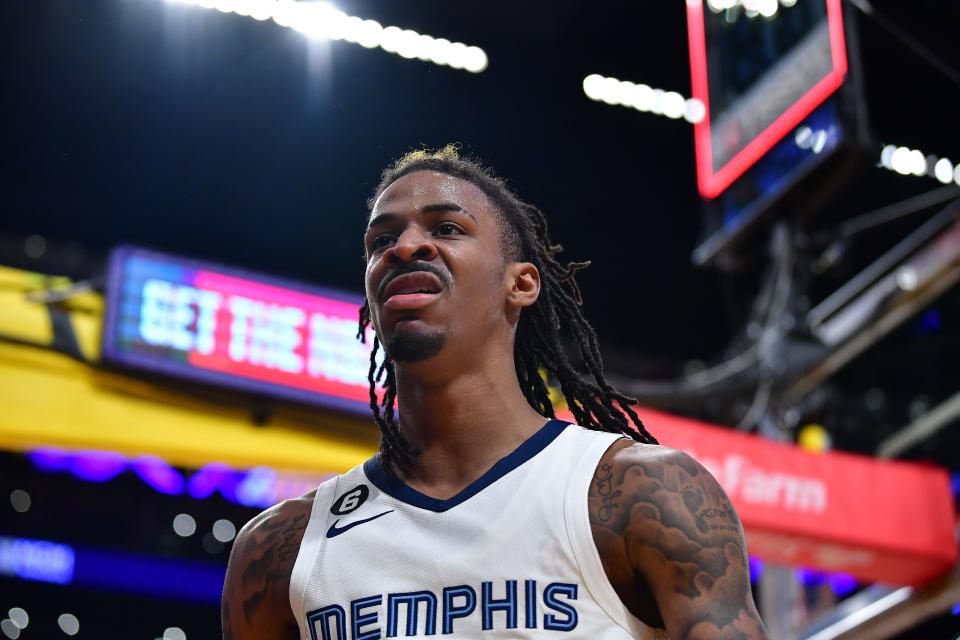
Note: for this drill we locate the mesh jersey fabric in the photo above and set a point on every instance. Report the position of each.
(510, 556)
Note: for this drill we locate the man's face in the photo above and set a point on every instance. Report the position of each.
(436, 274)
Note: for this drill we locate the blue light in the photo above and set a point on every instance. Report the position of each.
(956, 609)
(256, 490)
(113, 570)
(809, 578)
(150, 575)
(929, 321)
(756, 569)
(36, 560)
(842, 584)
(955, 484)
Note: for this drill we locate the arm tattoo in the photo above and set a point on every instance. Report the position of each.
(604, 488)
(272, 549)
(679, 533)
(256, 591)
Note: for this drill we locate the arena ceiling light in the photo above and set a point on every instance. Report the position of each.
(643, 98)
(752, 8)
(907, 161)
(671, 104)
(319, 20)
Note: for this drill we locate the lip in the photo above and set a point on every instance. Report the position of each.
(409, 300)
(407, 290)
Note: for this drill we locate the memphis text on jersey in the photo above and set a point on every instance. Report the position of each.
(495, 607)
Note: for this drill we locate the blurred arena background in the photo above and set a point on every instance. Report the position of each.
(769, 191)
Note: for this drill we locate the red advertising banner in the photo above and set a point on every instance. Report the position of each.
(877, 520)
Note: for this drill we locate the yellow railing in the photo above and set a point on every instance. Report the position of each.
(51, 399)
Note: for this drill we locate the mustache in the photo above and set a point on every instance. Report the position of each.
(412, 267)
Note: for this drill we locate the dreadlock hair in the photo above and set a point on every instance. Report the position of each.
(595, 404)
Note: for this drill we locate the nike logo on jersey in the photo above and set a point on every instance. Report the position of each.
(334, 530)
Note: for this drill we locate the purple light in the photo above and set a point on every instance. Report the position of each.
(159, 475)
(36, 560)
(49, 459)
(97, 466)
(756, 569)
(258, 487)
(209, 478)
(228, 488)
(842, 584)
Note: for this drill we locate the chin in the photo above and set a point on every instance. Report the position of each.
(414, 346)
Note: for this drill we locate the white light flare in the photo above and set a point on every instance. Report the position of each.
(69, 624)
(913, 162)
(751, 8)
(184, 525)
(224, 530)
(19, 617)
(902, 160)
(323, 21)
(174, 633)
(643, 98)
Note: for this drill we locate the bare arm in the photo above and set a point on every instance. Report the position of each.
(666, 531)
(256, 601)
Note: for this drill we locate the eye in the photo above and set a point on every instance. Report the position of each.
(382, 241)
(447, 229)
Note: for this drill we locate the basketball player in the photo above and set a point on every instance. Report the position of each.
(483, 517)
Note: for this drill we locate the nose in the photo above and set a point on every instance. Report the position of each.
(412, 245)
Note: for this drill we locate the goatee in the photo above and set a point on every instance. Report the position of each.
(414, 347)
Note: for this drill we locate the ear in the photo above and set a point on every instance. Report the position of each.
(523, 282)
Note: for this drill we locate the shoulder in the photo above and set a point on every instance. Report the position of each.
(626, 453)
(659, 517)
(257, 584)
(637, 483)
(293, 510)
(275, 532)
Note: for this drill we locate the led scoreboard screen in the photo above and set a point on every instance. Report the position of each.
(760, 67)
(213, 324)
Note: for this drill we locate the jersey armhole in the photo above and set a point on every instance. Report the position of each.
(309, 549)
(580, 534)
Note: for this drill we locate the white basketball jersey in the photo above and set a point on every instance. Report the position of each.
(510, 556)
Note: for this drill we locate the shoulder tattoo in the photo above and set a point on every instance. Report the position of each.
(258, 575)
(681, 535)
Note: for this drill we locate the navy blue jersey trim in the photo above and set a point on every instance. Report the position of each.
(393, 486)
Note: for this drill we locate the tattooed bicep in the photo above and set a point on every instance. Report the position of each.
(255, 601)
(681, 535)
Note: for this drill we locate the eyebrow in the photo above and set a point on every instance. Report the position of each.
(437, 207)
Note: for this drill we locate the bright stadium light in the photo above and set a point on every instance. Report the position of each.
(591, 86)
(751, 8)
(695, 111)
(643, 98)
(323, 21)
(907, 161)
(902, 160)
(672, 105)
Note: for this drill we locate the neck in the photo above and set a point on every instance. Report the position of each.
(461, 424)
